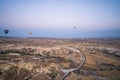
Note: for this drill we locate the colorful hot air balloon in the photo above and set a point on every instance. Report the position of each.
(6, 31)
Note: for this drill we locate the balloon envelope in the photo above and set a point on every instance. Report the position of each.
(74, 27)
(30, 32)
(6, 31)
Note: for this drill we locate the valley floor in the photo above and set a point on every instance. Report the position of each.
(52, 59)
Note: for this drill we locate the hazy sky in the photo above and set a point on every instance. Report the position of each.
(56, 18)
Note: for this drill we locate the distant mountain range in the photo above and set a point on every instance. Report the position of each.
(100, 34)
(75, 34)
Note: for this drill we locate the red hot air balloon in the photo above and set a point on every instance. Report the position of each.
(30, 33)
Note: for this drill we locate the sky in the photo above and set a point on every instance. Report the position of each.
(57, 18)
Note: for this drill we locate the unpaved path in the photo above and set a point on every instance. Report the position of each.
(68, 71)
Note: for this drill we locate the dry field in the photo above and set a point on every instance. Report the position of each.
(46, 59)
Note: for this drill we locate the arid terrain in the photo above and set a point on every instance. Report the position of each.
(59, 59)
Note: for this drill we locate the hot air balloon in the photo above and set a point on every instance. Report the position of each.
(6, 31)
(30, 33)
(74, 27)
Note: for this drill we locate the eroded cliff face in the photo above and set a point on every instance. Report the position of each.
(31, 64)
(24, 71)
(46, 59)
(16, 71)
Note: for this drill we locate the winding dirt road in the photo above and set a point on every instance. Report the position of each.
(68, 71)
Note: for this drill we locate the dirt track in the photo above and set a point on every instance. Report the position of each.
(68, 71)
